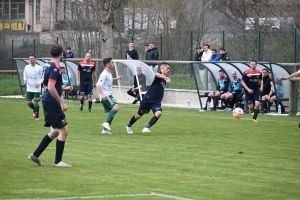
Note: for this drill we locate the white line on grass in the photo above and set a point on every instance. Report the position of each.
(111, 196)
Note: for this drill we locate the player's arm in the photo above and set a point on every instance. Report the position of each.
(78, 75)
(25, 76)
(261, 85)
(159, 75)
(94, 78)
(118, 78)
(52, 90)
(290, 76)
(245, 86)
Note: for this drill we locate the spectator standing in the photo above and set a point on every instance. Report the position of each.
(214, 55)
(86, 73)
(69, 53)
(267, 90)
(146, 48)
(198, 55)
(223, 55)
(206, 56)
(33, 78)
(89, 51)
(131, 53)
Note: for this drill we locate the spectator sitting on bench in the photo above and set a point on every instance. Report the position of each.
(67, 79)
(223, 85)
(134, 91)
(279, 91)
(267, 90)
(232, 95)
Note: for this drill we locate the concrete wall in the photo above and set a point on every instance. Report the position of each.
(172, 98)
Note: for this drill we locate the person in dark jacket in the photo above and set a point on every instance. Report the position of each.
(198, 54)
(69, 53)
(152, 53)
(134, 91)
(223, 55)
(131, 53)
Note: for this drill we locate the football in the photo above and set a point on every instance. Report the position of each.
(238, 113)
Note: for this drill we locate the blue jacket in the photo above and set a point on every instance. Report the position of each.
(69, 55)
(215, 57)
(223, 84)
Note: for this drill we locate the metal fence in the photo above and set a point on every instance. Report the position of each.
(276, 46)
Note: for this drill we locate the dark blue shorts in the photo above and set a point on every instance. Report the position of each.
(236, 93)
(86, 89)
(145, 108)
(252, 97)
(55, 116)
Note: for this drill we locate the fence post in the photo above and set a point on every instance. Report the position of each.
(33, 46)
(79, 47)
(223, 39)
(191, 58)
(295, 45)
(132, 38)
(258, 46)
(12, 57)
(161, 46)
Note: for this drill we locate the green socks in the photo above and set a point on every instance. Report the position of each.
(111, 115)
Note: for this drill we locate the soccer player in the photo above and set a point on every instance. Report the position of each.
(104, 87)
(250, 82)
(85, 74)
(33, 78)
(152, 99)
(54, 108)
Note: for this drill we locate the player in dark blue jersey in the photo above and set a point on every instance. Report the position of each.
(152, 99)
(53, 108)
(86, 72)
(253, 83)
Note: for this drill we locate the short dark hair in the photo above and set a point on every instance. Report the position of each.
(56, 50)
(62, 67)
(222, 49)
(146, 45)
(253, 61)
(215, 50)
(151, 43)
(265, 69)
(198, 47)
(207, 45)
(32, 55)
(221, 70)
(106, 60)
(68, 48)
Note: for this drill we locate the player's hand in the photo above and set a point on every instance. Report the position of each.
(94, 85)
(37, 85)
(250, 91)
(283, 78)
(78, 84)
(168, 80)
(120, 77)
(103, 97)
(261, 89)
(63, 106)
(25, 82)
(69, 88)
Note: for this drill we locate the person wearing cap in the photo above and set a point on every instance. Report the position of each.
(198, 55)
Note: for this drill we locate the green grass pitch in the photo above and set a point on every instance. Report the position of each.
(188, 155)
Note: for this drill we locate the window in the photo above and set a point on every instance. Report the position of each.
(12, 10)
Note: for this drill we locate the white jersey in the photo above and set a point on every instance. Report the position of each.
(206, 56)
(105, 81)
(33, 75)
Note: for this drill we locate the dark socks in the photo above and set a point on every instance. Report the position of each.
(90, 104)
(81, 101)
(225, 102)
(263, 105)
(132, 121)
(43, 145)
(208, 101)
(215, 101)
(255, 113)
(60, 145)
(269, 106)
(152, 121)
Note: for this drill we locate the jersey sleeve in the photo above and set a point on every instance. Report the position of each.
(94, 68)
(101, 79)
(53, 76)
(79, 67)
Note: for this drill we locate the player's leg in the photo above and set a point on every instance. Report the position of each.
(111, 106)
(257, 103)
(90, 96)
(157, 110)
(216, 99)
(208, 100)
(47, 139)
(36, 99)
(230, 102)
(223, 99)
(272, 99)
(82, 92)
(29, 96)
(143, 109)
